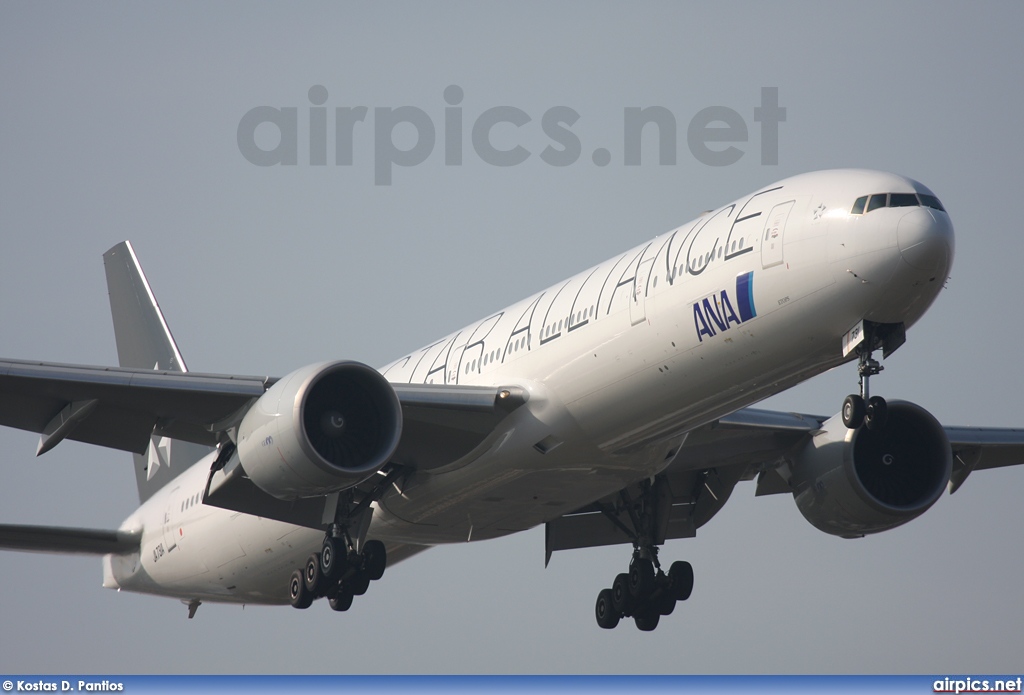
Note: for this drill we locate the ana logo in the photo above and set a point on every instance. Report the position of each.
(717, 313)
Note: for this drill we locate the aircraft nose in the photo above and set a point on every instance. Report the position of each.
(925, 239)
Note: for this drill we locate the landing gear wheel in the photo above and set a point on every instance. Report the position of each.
(641, 578)
(300, 597)
(332, 558)
(375, 557)
(607, 616)
(646, 621)
(680, 576)
(359, 583)
(341, 600)
(853, 411)
(312, 577)
(876, 412)
(665, 604)
(622, 600)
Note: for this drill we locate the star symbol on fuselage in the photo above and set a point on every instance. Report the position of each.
(819, 211)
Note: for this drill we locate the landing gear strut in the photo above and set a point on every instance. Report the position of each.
(346, 563)
(645, 592)
(865, 409)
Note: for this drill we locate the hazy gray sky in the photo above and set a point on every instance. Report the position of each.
(120, 121)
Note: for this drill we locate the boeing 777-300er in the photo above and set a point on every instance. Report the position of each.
(612, 408)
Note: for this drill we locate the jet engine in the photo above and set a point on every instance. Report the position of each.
(322, 428)
(853, 482)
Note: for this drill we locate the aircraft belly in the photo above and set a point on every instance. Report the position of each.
(222, 556)
(513, 488)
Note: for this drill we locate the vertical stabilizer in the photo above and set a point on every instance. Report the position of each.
(145, 342)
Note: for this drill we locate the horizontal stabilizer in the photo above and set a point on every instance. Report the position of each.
(56, 539)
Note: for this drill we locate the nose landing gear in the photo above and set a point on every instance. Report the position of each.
(865, 409)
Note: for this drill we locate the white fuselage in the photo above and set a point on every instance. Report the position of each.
(620, 361)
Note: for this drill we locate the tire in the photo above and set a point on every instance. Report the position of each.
(680, 576)
(646, 622)
(332, 558)
(641, 578)
(359, 583)
(853, 411)
(876, 413)
(312, 576)
(298, 594)
(666, 604)
(622, 600)
(607, 616)
(375, 559)
(341, 601)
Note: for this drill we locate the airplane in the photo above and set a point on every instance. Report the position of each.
(612, 408)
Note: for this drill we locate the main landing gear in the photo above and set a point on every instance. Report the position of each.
(337, 572)
(346, 563)
(645, 592)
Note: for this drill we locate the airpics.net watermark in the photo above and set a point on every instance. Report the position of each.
(711, 134)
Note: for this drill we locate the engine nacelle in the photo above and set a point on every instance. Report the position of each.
(322, 428)
(853, 482)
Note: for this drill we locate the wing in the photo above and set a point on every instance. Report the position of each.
(122, 408)
(747, 445)
(119, 408)
(979, 448)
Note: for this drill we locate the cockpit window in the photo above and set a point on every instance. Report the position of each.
(930, 201)
(878, 200)
(894, 200)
